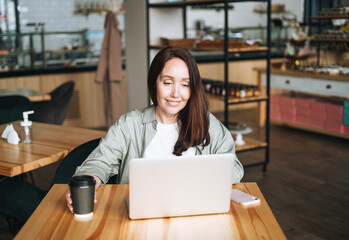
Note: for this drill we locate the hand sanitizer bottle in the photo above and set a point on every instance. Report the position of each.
(26, 125)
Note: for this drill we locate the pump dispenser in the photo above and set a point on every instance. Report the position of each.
(26, 125)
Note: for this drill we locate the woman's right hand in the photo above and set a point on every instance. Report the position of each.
(68, 193)
(69, 200)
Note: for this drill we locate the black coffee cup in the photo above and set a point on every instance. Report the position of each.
(82, 189)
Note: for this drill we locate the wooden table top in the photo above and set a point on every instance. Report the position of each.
(51, 143)
(32, 95)
(52, 220)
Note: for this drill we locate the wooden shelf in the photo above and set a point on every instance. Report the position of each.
(98, 10)
(230, 50)
(297, 57)
(68, 51)
(330, 17)
(192, 2)
(249, 144)
(309, 128)
(186, 3)
(272, 11)
(305, 74)
(328, 39)
(200, 2)
(247, 49)
(247, 99)
(241, 100)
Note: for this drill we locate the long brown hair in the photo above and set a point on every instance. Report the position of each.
(193, 118)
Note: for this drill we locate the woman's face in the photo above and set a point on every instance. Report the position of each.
(173, 90)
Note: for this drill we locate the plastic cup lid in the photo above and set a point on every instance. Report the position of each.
(82, 180)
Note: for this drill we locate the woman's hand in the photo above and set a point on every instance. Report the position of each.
(68, 194)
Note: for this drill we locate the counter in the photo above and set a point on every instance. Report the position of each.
(200, 57)
(313, 83)
(51, 70)
(319, 110)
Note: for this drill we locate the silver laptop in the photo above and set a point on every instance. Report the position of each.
(180, 186)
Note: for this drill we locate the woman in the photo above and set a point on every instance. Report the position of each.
(178, 123)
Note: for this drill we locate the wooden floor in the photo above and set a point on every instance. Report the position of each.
(306, 184)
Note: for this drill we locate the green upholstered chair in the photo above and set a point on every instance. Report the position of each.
(12, 108)
(19, 198)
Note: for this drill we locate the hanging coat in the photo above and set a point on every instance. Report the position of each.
(109, 71)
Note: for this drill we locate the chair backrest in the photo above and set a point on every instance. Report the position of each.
(74, 159)
(12, 108)
(54, 111)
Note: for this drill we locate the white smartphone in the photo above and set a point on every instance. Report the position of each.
(243, 198)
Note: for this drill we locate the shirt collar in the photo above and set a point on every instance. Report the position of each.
(149, 114)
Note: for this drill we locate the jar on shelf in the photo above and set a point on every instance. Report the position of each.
(242, 91)
(256, 92)
(232, 91)
(249, 92)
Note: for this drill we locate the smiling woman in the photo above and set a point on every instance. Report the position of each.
(178, 124)
(173, 90)
(184, 101)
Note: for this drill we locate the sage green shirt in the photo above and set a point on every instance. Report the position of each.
(129, 137)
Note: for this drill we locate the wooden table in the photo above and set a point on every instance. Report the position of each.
(32, 95)
(52, 220)
(51, 143)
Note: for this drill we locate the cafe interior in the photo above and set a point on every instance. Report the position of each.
(275, 73)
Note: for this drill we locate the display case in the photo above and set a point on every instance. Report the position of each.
(40, 50)
(313, 97)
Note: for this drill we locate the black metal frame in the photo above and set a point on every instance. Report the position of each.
(227, 59)
(319, 22)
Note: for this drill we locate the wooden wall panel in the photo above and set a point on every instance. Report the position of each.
(90, 97)
(31, 82)
(90, 103)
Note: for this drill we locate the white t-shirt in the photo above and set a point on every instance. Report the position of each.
(163, 142)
